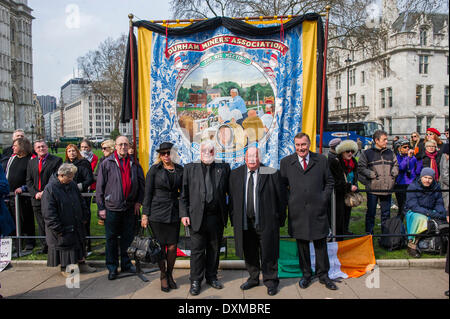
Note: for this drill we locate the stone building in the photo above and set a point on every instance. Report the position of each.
(405, 85)
(16, 69)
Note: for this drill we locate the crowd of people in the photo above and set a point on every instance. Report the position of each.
(204, 195)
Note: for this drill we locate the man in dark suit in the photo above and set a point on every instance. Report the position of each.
(39, 171)
(309, 184)
(257, 212)
(203, 207)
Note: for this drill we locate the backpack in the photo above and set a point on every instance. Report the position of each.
(437, 242)
(393, 226)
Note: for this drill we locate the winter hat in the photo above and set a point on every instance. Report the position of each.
(334, 142)
(427, 171)
(347, 145)
(433, 130)
(401, 142)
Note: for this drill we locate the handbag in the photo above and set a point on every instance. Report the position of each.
(145, 249)
(352, 199)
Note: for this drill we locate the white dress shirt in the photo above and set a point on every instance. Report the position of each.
(301, 159)
(255, 179)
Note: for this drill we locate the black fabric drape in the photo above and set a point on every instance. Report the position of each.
(238, 27)
(127, 111)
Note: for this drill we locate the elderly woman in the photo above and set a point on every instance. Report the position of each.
(431, 158)
(345, 173)
(162, 190)
(83, 178)
(423, 203)
(16, 172)
(65, 215)
(431, 135)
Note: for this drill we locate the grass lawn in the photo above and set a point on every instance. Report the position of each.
(357, 226)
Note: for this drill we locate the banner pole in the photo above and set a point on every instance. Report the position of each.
(322, 105)
(133, 102)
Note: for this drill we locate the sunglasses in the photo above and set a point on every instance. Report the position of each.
(105, 148)
(413, 135)
(165, 153)
(351, 151)
(405, 146)
(430, 134)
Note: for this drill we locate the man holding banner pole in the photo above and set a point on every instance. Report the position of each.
(308, 183)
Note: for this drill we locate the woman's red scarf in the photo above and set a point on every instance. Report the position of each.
(349, 165)
(433, 163)
(125, 172)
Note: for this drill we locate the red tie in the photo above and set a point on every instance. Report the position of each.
(304, 164)
(40, 169)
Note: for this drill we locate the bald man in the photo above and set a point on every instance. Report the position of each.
(119, 196)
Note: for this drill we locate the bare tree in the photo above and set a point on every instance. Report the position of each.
(104, 68)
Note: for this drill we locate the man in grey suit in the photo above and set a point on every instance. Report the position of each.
(309, 184)
(204, 209)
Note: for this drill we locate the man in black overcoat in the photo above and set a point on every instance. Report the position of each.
(309, 183)
(257, 211)
(203, 207)
(39, 171)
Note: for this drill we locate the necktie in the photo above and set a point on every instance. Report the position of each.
(304, 164)
(250, 204)
(40, 169)
(208, 184)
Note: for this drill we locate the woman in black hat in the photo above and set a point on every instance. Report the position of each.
(162, 190)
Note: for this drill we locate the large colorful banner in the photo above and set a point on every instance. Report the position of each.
(234, 83)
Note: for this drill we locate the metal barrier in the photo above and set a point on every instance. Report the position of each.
(18, 237)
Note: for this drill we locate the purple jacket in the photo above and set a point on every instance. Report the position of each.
(407, 164)
(109, 191)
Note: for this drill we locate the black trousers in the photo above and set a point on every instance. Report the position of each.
(205, 249)
(41, 225)
(88, 224)
(26, 217)
(343, 213)
(401, 199)
(257, 258)
(304, 256)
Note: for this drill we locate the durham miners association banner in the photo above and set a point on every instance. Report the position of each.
(233, 82)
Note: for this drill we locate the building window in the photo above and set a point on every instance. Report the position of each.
(389, 97)
(428, 95)
(351, 77)
(98, 123)
(382, 98)
(363, 77)
(423, 64)
(429, 118)
(363, 100)
(338, 82)
(386, 68)
(446, 122)
(419, 124)
(338, 103)
(98, 130)
(423, 36)
(419, 95)
(352, 100)
(389, 125)
(446, 95)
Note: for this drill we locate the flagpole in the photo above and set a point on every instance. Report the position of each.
(133, 102)
(324, 73)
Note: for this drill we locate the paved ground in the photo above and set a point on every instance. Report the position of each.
(40, 282)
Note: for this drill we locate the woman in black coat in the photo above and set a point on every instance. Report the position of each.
(83, 178)
(65, 214)
(162, 190)
(344, 169)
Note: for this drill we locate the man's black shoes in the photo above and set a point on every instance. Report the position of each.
(272, 291)
(248, 285)
(215, 284)
(130, 269)
(328, 283)
(195, 288)
(305, 282)
(112, 275)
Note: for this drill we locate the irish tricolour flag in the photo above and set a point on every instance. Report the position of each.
(348, 258)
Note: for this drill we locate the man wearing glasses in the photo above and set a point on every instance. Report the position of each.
(204, 209)
(119, 196)
(377, 170)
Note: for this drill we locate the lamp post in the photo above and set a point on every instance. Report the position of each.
(32, 134)
(348, 61)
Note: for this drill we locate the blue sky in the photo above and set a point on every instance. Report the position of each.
(64, 30)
